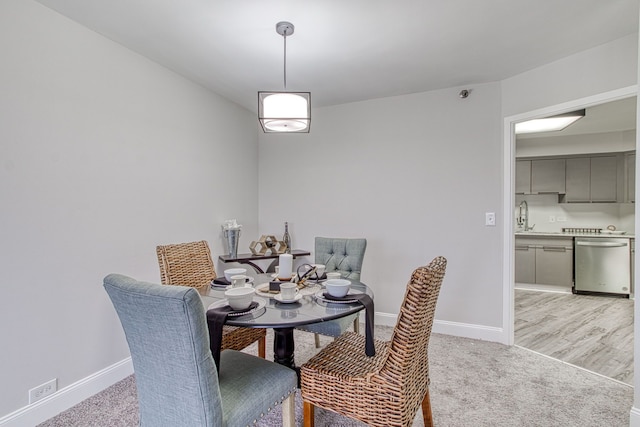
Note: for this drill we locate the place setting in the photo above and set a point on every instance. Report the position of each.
(233, 278)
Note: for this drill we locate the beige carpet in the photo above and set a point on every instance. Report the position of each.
(473, 383)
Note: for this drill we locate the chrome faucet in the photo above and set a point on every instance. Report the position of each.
(523, 216)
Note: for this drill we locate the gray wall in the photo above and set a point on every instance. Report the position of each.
(413, 174)
(103, 155)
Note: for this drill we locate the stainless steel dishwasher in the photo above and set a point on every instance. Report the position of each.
(602, 265)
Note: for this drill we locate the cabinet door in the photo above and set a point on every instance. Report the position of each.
(631, 178)
(554, 266)
(578, 180)
(525, 264)
(548, 176)
(604, 179)
(523, 176)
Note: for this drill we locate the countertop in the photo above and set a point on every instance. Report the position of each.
(603, 234)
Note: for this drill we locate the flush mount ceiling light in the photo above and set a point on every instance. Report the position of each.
(284, 111)
(549, 124)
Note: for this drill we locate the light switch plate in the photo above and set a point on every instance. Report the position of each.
(490, 219)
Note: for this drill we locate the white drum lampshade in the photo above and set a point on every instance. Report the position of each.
(284, 111)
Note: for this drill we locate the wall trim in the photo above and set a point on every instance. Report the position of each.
(69, 396)
(634, 417)
(465, 330)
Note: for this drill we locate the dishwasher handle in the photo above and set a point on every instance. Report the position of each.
(602, 244)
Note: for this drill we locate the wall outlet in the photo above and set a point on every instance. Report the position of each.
(490, 218)
(43, 390)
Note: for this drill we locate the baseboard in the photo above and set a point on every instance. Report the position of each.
(467, 330)
(634, 417)
(69, 396)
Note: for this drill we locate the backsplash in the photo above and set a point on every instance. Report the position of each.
(549, 215)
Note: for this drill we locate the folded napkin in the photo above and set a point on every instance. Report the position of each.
(367, 302)
(216, 318)
(220, 282)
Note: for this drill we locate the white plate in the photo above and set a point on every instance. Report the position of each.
(224, 302)
(278, 298)
(320, 295)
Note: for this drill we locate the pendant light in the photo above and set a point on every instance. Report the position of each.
(284, 111)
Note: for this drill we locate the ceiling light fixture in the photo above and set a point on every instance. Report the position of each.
(284, 111)
(549, 124)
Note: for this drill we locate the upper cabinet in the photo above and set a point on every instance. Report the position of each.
(598, 178)
(548, 176)
(630, 178)
(592, 179)
(523, 176)
(540, 176)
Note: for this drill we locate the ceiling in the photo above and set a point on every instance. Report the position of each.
(346, 51)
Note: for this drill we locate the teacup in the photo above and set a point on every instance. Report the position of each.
(333, 275)
(319, 269)
(233, 272)
(240, 298)
(238, 281)
(337, 287)
(288, 291)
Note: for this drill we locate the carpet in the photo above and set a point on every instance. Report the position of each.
(473, 383)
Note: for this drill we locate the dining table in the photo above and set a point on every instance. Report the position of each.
(309, 307)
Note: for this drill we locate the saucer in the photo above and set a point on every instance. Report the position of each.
(278, 297)
(224, 302)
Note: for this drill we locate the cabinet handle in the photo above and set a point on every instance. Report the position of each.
(522, 248)
(554, 248)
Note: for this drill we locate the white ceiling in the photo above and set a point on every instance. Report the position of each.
(351, 50)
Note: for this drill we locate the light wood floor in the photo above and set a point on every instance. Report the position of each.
(593, 332)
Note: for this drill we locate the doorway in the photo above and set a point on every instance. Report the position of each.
(511, 294)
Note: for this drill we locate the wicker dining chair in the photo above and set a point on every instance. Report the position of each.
(388, 388)
(190, 264)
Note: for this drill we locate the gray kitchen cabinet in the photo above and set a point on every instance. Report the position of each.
(592, 179)
(554, 264)
(578, 183)
(630, 187)
(604, 179)
(544, 260)
(548, 176)
(523, 176)
(525, 262)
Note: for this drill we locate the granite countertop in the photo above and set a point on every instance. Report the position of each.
(603, 234)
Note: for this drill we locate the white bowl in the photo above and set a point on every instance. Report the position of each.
(233, 272)
(337, 287)
(239, 298)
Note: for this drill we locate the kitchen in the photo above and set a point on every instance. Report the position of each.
(574, 240)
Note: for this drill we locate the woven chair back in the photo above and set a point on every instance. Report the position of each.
(408, 361)
(186, 264)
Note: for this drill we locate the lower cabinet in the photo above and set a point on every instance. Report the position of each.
(544, 260)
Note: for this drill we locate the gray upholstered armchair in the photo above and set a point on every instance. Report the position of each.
(344, 256)
(176, 378)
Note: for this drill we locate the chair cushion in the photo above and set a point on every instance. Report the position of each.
(251, 387)
(332, 328)
(343, 255)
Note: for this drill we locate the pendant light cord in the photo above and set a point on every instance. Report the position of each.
(285, 58)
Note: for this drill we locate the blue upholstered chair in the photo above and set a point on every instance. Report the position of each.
(176, 378)
(344, 256)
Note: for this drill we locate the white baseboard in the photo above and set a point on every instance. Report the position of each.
(467, 330)
(69, 396)
(634, 417)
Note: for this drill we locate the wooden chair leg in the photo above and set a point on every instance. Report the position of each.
(427, 416)
(262, 347)
(308, 414)
(356, 325)
(289, 411)
(317, 340)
